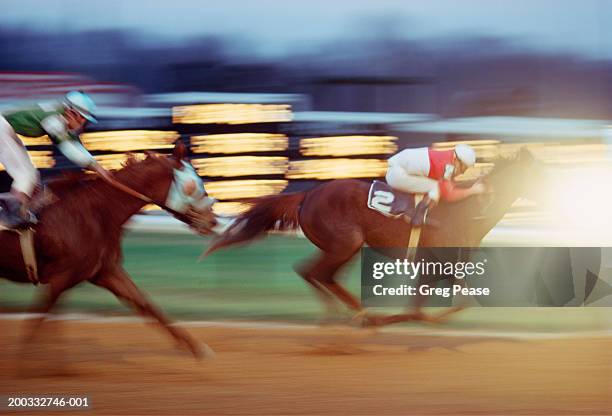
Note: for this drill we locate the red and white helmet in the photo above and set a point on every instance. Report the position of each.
(466, 154)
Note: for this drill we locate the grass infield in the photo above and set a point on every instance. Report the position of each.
(257, 282)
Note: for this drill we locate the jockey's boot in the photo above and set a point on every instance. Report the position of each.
(420, 212)
(18, 216)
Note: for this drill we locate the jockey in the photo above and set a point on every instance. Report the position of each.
(432, 172)
(62, 121)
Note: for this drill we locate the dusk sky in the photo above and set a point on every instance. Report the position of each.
(274, 27)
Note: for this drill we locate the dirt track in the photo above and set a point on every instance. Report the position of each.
(133, 369)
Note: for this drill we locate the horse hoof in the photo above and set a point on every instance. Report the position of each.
(365, 319)
(202, 351)
(360, 318)
(207, 352)
(199, 351)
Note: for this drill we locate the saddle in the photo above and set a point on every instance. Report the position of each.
(390, 202)
(395, 204)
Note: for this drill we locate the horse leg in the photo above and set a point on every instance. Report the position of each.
(35, 347)
(325, 274)
(56, 287)
(307, 271)
(417, 309)
(121, 285)
(415, 312)
(329, 266)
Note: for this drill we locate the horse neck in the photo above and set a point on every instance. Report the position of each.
(116, 206)
(505, 194)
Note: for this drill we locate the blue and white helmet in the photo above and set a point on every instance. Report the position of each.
(82, 103)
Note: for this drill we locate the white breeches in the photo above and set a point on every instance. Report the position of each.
(15, 159)
(399, 179)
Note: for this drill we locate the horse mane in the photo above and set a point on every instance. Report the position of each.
(70, 181)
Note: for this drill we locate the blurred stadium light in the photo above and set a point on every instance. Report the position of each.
(116, 161)
(42, 159)
(231, 113)
(35, 141)
(485, 149)
(229, 108)
(324, 169)
(241, 166)
(128, 140)
(348, 145)
(239, 143)
(230, 208)
(243, 189)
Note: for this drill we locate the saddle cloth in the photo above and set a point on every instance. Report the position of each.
(8, 204)
(390, 202)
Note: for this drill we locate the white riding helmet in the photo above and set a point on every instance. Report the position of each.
(82, 103)
(466, 154)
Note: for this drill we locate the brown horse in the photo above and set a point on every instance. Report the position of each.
(78, 237)
(334, 216)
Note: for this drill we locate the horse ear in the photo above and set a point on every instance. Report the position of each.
(180, 152)
(130, 159)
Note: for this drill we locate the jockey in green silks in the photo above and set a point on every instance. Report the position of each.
(62, 121)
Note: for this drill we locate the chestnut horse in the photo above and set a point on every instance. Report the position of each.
(78, 237)
(334, 216)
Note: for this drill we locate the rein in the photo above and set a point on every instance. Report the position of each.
(126, 189)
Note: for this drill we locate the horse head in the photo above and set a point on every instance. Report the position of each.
(172, 183)
(186, 198)
(465, 223)
(520, 176)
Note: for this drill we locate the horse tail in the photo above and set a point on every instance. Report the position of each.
(274, 212)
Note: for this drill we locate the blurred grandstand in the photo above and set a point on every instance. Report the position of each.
(247, 145)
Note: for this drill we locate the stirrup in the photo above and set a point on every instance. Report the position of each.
(420, 212)
(419, 219)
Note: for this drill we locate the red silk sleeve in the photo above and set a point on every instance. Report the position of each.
(450, 192)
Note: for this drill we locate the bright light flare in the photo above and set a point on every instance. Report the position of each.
(582, 198)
